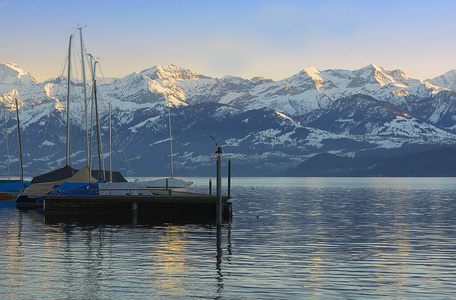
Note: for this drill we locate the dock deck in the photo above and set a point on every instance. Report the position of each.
(161, 207)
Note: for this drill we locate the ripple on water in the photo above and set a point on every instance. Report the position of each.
(289, 238)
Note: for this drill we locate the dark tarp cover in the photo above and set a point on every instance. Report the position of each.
(56, 175)
(67, 172)
(116, 176)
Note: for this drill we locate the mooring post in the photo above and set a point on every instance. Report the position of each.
(229, 178)
(218, 205)
(210, 187)
(134, 213)
(166, 183)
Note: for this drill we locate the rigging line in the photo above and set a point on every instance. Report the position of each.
(100, 98)
(77, 136)
(6, 141)
(100, 141)
(101, 107)
(79, 123)
(115, 131)
(62, 70)
(117, 155)
(116, 134)
(122, 150)
(101, 72)
(79, 91)
(54, 94)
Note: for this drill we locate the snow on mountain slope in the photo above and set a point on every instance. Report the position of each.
(364, 115)
(308, 91)
(438, 110)
(311, 89)
(447, 80)
(256, 121)
(10, 73)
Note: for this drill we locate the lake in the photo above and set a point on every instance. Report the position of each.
(290, 238)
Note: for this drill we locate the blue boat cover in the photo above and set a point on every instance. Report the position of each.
(12, 187)
(77, 188)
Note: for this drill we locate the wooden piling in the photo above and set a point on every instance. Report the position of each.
(229, 178)
(218, 204)
(134, 213)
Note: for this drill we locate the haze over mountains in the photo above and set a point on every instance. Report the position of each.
(266, 128)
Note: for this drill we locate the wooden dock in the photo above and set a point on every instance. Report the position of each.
(161, 207)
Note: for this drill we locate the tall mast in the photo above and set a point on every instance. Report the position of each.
(98, 127)
(85, 98)
(99, 141)
(21, 169)
(92, 69)
(170, 136)
(7, 150)
(68, 105)
(110, 145)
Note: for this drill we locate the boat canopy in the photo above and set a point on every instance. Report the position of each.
(116, 176)
(59, 174)
(67, 172)
(76, 188)
(36, 190)
(14, 186)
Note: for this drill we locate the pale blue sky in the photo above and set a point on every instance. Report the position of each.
(274, 39)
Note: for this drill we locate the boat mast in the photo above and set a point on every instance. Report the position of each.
(21, 169)
(99, 141)
(170, 136)
(98, 126)
(110, 145)
(85, 100)
(92, 69)
(68, 105)
(7, 150)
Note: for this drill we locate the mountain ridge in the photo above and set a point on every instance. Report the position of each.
(275, 124)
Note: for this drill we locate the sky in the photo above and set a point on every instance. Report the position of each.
(273, 39)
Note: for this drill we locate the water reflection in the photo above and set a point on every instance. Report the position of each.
(290, 238)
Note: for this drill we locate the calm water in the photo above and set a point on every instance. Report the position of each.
(290, 238)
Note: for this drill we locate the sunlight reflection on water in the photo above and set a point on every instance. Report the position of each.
(289, 238)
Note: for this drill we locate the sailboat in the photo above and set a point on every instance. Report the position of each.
(82, 179)
(10, 187)
(44, 183)
(169, 182)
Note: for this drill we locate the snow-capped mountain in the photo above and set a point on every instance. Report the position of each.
(265, 127)
(447, 80)
(12, 74)
(311, 89)
(364, 115)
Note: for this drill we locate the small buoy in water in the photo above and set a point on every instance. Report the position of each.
(258, 217)
(253, 188)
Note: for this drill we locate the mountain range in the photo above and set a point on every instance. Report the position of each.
(265, 127)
